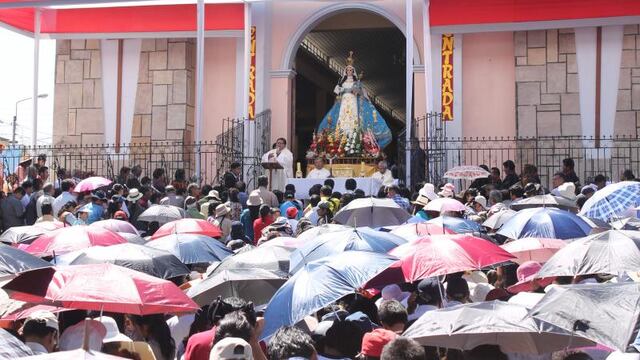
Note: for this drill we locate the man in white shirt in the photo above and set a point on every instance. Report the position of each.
(319, 172)
(39, 332)
(67, 188)
(383, 174)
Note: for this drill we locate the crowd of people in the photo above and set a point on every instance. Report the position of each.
(359, 326)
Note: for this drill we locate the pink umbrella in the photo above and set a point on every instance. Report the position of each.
(73, 238)
(114, 225)
(445, 204)
(91, 183)
(188, 226)
(533, 249)
(101, 287)
(466, 172)
(411, 231)
(284, 241)
(27, 310)
(440, 255)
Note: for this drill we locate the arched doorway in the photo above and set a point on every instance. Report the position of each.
(379, 52)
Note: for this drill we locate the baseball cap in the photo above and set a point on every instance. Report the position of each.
(430, 288)
(231, 348)
(373, 342)
(292, 212)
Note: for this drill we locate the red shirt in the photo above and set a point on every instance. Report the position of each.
(199, 345)
(258, 225)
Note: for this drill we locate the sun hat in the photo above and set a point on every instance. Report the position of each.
(50, 320)
(526, 274)
(421, 200)
(134, 195)
(448, 190)
(231, 348)
(222, 210)
(393, 292)
(373, 342)
(567, 191)
(112, 332)
(73, 337)
(428, 191)
(98, 195)
(481, 200)
(254, 199)
(213, 194)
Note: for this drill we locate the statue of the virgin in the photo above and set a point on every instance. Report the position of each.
(353, 111)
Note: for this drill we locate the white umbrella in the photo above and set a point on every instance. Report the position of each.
(498, 219)
(466, 172)
(320, 230)
(491, 323)
(445, 204)
(162, 214)
(371, 212)
(547, 200)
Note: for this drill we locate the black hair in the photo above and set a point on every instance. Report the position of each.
(485, 352)
(359, 193)
(263, 181)
(42, 169)
(264, 210)
(47, 209)
(27, 184)
(516, 190)
(279, 195)
(283, 140)
(568, 162)
(509, 164)
(158, 331)
(345, 337)
(628, 174)
(235, 165)
(315, 190)
(314, 200)
(391, 312)
(330, 183)
(234, 324)
(241, 186)
(560, 175)
(599, 178)
(37, 328)
(66, 185)
(158, 173)
(233, 195)
(326, 190)
(350, 184)
(403, 349)
(19, 190)
(289, 342)
(180, 175)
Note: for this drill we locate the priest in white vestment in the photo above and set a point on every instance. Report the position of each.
(319, 172)
(283, 156)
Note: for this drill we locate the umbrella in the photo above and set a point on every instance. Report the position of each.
(491, 323)
(27, 309)
(445, 204)
(314, 232)
(411, 231)
(533, 249)
(13, 261)
(27, 234)
(73, 238)
(371, 212)
(363, 239)
(545, 223)
(457, 225)
(612, 201)
(628, 223)
(91, 183)
(100, 287)
(79, 354)
(11, 347)
(162, 214)
(284, 241)
(158, 263)
(595, 223)
(132, 238)
(254, 285)
(321, 283)
(188, 226)
(440, 255)
(274, 258)
(192, 248)
(466, 172)
(547, 200)
(609, 252)
(498, 219)
(119, 226)
(605, 313)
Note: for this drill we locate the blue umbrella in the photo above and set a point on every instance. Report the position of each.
(415, 220)
(611, 202)
(363, 239)
(545, 223)
(192, 248)
(459, 225)
(321, 283)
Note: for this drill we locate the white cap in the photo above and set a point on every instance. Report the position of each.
(73, 337)
(113, 333)
(481, 200)
(231, 348)
(47, 316)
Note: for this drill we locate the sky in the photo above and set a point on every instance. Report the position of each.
(16, 83)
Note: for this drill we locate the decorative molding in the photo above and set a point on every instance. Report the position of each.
(283, 74)
(142, 35)
(418, 69)
(289, 54)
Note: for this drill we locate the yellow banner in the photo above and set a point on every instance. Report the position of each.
(252, 76)
(447, 77)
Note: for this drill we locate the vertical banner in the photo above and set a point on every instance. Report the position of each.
(447, 77)
(252, 76)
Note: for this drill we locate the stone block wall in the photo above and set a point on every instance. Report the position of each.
(547, 97)
(78, 116)
(628, 104)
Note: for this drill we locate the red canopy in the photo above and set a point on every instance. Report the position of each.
(124, 19)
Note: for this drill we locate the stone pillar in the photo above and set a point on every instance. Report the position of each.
(628, 104)
(282, 83)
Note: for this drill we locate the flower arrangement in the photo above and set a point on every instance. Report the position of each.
(334, 143)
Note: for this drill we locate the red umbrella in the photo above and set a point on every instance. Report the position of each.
(27, 310)
(73, 238)
(101, 287)
(116, 226)
(91, 183)
(188, 226)
(410, 231)
(440, 255)
(534, 249)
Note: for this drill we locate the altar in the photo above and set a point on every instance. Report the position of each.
(369, 185)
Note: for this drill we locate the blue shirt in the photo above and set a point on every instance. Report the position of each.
(247, 223)
(402, 202)
(243, 196)
(95, 213)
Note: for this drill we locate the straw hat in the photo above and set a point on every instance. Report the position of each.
(222, 210)
(428, 191)
(254, 199)
(26, 159)
(213, 194)
(134, 195)
(421, 200)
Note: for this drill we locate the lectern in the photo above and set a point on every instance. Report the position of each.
(271, 165)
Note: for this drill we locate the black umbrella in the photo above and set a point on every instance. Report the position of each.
(192, 248)
(26, 234)
(13, 261)
(273, 258)
(158, 263)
